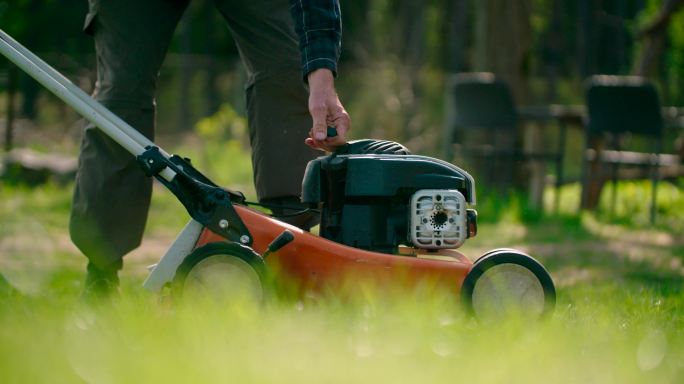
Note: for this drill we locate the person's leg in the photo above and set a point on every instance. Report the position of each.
(112, 194)
(278, 115)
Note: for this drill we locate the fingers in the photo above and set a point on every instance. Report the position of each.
(311, 143)
(320, 95)
(338, 118)
(342, 123)
(328, 145)
(332, 114)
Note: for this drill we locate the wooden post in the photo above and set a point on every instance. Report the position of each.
(533, 143)
(594, 178)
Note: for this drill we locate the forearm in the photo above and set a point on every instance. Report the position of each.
(318, 24)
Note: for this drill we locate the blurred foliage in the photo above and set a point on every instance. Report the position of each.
(226, 124)
(396, 56)
(45, 25)
(674, 59)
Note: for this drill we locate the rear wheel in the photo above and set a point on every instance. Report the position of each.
(222, 272)
(507, 282)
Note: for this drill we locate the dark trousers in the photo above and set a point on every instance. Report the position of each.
(112, 195)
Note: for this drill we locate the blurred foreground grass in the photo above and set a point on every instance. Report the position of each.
(603, 334)
(620, 313)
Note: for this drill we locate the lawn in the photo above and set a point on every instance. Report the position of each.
(619, 317)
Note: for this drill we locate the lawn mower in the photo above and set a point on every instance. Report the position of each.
(385, 216)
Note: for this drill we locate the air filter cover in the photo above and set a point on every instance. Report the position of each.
(438, 219)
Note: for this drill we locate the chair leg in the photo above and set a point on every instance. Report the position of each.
(613, 192)
(584, 177)
(591, 173)
(655, 174)
(654, 191)
(615, 143)
(559, 183)
(559, 165)
(556, 197)
(586, 180)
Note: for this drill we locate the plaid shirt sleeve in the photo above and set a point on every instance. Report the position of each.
(319, 26)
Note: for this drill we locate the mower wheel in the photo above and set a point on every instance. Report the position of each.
(506, 282)
(222, 272)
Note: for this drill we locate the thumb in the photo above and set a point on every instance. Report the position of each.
(320, 127)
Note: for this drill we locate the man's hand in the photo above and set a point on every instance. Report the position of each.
(327, 111)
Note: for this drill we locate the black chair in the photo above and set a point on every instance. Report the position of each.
(482, 105)
(620, 109)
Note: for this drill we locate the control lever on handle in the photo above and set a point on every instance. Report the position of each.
(282, 240)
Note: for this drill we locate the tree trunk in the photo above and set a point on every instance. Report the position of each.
(654, 35)
(503, 41)
(212, 96)
(553, 51)
(502, 45)
(455, 36)
(186, 72)
(410, 44)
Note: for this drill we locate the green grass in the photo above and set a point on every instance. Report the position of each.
(619, 318)
(604, 333)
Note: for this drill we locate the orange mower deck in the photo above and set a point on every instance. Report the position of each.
(317, 264)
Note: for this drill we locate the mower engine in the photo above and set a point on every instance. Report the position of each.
(375, 195)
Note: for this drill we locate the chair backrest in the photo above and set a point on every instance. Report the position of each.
(481, 100)
(620, 104)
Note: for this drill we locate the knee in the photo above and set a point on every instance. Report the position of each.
(125, 95)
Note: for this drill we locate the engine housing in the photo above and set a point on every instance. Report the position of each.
(369, 191)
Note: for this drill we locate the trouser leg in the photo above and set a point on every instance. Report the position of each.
(112, 195)
(277, 111)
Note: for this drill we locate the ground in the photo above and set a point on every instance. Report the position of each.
(619, 318)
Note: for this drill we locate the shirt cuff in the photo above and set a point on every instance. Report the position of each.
(321, 49)
(319, 63)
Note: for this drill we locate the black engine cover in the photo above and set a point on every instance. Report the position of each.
(364, 197)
